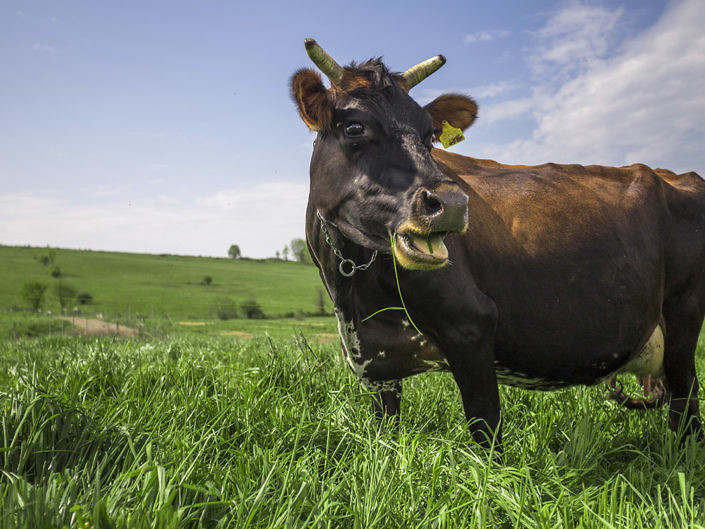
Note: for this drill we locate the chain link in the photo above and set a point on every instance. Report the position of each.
(344, 263)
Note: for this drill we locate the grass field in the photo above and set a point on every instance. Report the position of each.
(275, 432)
(125, 285)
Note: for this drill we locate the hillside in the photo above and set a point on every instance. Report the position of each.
(162, 284)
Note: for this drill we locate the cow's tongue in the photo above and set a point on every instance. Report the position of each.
(432, 245)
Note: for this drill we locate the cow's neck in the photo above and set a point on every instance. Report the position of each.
(341, 288)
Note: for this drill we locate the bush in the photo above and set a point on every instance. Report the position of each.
(252, 310)
(225, 309)
(55, 271)
(84, 298)
(32, 292)
(207, 280)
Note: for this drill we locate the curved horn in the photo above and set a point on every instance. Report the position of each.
(325, 62)
(418, 73)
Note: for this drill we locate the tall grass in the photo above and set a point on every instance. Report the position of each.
(204, 432)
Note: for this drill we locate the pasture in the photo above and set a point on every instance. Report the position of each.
(198, 431)
(125, 286)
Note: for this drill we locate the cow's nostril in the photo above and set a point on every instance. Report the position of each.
(431, 204)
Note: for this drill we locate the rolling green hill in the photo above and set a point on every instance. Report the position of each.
(161, 284)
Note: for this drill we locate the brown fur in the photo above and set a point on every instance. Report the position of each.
(311, 99)
(458, 110)
(353, 79)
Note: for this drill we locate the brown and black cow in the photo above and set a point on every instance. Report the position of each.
(539, 277)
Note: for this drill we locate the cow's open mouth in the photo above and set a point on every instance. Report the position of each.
(421, 252)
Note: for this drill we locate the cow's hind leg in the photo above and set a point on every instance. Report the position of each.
(684, 318)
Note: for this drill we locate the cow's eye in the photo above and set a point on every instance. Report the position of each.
(354, 129)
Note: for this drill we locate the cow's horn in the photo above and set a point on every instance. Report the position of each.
(418, 73)
(325, 62)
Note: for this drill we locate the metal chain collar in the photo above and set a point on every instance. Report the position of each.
(344, 263)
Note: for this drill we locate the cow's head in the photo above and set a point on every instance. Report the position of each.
(372, 174)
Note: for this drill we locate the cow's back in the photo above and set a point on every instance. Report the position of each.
(585, 253)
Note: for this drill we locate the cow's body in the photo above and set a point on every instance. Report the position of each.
(565, 275)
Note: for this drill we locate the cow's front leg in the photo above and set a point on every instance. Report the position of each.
(469, 348)
(386, 397)
(475, 376)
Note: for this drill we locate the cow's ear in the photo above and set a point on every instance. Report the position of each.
(312, 99)
(458, 110)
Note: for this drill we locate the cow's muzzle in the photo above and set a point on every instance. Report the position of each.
(419, 242)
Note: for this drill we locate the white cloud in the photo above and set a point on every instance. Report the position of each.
(506, 109)
(484, 36)
(488, 91)
(574, 38)
(645, 103)
(43, 48)
(258, 218)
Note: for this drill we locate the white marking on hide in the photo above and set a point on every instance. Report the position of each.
(377, 386)
(404, 323)
(351, 344)
(436, 365)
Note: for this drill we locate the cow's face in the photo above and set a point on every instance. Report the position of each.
(372, 174)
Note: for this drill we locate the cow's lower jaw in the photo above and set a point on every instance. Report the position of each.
(420, 252)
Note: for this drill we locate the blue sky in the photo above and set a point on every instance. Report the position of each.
(167, 127)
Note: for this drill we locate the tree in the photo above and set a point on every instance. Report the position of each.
(48, 257)
(33, 293)
(285, 252)
(321, 302)
(225, 308)
(234, 251)
(207, 280)
(299, 250)
(65, 293)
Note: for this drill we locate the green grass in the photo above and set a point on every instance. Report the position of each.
(26, 325)
(274, 432)
(124, 285)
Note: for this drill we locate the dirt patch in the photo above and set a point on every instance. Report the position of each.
(93, 327)
(326, 337)
(240, 334)
(192, 323)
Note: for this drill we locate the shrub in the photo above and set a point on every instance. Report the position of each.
(225, 308)
(32, 292)
(207, 280)
(55, 271)
(252, 310)
(84, 298)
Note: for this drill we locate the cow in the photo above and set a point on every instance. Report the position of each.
(539, 277)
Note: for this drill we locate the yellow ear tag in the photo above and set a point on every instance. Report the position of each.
(450, 135)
